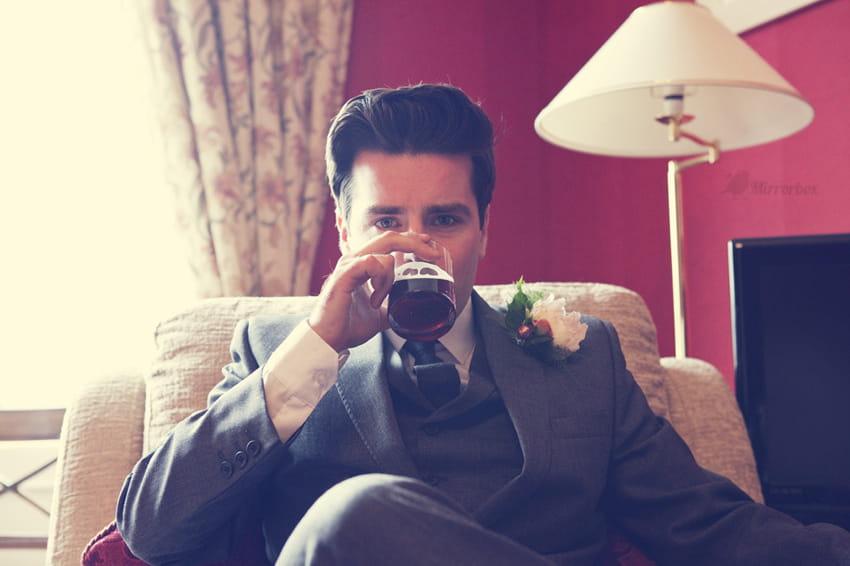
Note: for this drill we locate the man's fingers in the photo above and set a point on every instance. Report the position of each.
(382, 281)
(353, 272)
(409, 242)
(376, 270)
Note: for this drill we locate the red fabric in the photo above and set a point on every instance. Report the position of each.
(109, 549)
(620, 552)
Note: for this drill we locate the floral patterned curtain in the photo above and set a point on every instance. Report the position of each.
(247, 89)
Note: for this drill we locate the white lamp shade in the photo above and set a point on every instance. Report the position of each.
(610, 107)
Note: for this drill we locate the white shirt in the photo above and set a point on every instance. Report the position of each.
(304, 367)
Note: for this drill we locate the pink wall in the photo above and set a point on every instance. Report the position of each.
(799, 185)
(561, 215)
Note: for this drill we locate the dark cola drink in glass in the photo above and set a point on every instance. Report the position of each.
(422, 299)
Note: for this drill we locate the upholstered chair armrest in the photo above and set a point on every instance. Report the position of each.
(101, 441)
(705, 413)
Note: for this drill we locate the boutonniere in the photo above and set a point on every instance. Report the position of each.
(542, 326)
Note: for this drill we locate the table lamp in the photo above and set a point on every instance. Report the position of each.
(672, 64)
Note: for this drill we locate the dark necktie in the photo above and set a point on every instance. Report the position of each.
(438, 380)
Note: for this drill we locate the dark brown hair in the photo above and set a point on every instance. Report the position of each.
(425, 118)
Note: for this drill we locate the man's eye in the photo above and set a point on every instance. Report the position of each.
(445, 220)
(386, 223)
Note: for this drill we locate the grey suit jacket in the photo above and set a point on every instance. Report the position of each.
(593, 452)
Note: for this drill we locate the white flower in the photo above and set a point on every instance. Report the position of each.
(541, 326)
(567, 329)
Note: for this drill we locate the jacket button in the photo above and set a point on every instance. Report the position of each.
(241, 459)
(226, 469)
(253, 448)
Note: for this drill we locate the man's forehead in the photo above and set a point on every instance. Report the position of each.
(396, 172)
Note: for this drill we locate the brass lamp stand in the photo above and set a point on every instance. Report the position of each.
(674, 210)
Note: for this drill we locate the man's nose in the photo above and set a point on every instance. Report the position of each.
(417, 226)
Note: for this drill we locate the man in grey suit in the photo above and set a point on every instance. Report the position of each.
(319, 430)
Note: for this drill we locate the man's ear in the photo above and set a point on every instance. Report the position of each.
(342, 230)
(484, 232)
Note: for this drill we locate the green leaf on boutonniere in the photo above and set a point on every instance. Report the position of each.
(517, 308)
(531, 296)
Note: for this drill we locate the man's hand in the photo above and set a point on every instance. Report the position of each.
(351, 309)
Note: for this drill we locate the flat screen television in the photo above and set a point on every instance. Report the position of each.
(791, 339)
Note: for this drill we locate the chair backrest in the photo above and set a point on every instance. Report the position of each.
(193, 345)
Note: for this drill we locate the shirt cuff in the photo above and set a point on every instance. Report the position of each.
(296, 377)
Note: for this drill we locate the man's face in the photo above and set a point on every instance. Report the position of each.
(425, 193)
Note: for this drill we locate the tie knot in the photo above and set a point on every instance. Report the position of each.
(438, 380)
(422, 352)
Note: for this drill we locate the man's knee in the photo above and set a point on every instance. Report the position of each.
(363, 502)
(360, 494)
(352, 517)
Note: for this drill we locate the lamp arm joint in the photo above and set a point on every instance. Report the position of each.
(712, 151)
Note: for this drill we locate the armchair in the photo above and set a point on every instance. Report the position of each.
(120, 417)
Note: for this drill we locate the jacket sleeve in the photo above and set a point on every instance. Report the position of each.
(680, 513)
(189, 500)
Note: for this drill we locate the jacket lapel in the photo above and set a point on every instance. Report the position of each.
(362, 387)
(521, 380)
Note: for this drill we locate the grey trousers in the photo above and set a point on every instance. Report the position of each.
(378, 519)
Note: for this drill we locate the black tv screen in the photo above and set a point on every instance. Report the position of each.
(791, 324)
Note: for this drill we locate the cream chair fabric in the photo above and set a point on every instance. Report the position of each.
(120, 417)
